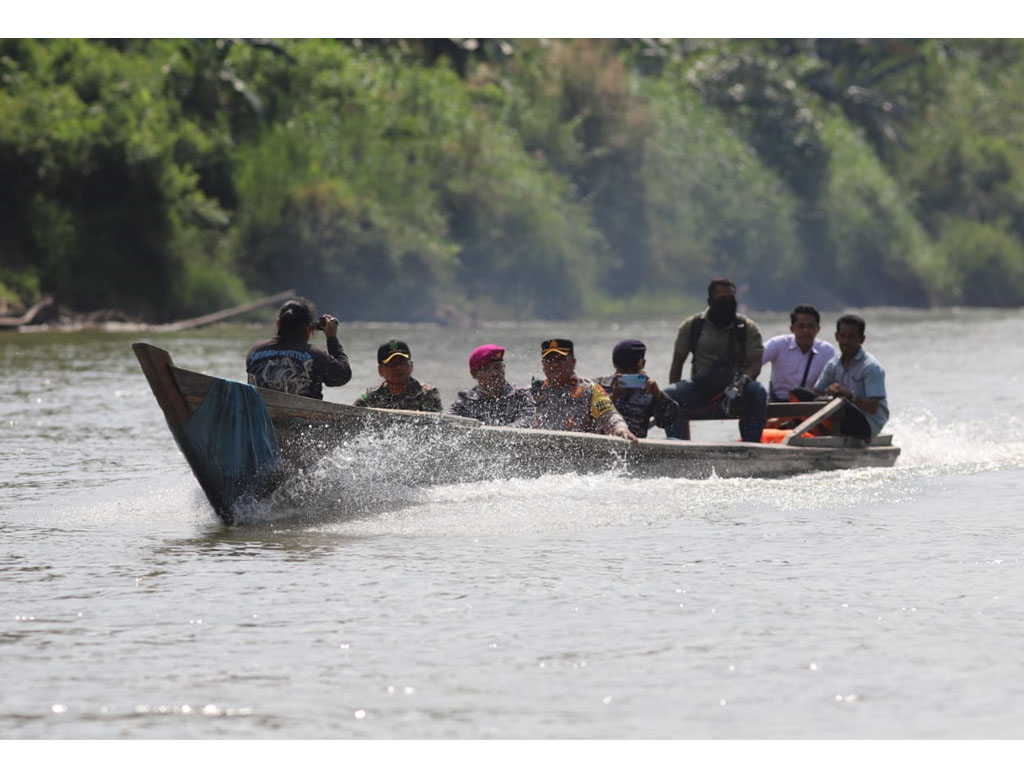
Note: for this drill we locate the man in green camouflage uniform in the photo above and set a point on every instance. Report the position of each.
(399, 391)
(569, 402)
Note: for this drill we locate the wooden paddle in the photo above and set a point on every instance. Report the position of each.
(827, 411)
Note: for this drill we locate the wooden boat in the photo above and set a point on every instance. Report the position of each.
(458, 448)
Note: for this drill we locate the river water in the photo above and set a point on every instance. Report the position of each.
(858, 604)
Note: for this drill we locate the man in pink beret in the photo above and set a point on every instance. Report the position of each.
(493, 400)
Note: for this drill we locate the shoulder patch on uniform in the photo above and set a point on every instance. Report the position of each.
(600, 403)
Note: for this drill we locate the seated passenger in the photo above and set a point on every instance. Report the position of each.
(288, 363)
(726, 348)
(797, 357)
(493, 400)
(635, 394)
(399, 391)
(568, 402)
(857, 376)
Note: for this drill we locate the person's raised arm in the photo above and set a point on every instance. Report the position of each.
(666, 410)
(333, 368)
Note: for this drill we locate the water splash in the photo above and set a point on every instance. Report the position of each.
(961, 447)
(426, 482)
(566, 503)
(371, 473)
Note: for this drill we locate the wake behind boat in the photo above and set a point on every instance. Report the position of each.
(241, 441)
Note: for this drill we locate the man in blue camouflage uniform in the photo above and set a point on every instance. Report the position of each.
(493, 400)
(637, 404)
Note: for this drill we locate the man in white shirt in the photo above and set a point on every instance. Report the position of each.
(799, 357)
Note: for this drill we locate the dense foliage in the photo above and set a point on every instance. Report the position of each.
(407, 179)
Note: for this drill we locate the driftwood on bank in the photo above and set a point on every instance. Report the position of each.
(36, 313)
(45, 315)
(224, 314)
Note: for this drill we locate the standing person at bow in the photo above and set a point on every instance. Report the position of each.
(287, 362)
(726, 348)
(493, 400)
(399, 391)
(571, 403)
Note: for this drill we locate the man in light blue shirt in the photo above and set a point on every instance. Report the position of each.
(798, 357)
(858, 377)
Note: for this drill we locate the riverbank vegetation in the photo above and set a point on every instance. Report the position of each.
(404, 179)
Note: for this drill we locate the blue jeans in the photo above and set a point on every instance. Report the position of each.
(754, 405)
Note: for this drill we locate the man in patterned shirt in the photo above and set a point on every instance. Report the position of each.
(287, 362)
(400, 391)
(571, 403)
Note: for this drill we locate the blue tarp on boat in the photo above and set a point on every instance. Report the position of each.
(230, 443)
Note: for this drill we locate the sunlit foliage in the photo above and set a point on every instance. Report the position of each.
(406, 179)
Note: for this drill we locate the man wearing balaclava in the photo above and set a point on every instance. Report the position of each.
(727, 349)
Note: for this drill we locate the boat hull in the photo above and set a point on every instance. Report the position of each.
(457, 449)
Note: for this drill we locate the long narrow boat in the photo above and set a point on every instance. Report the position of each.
(241, 441)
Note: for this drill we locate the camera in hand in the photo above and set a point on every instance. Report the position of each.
(735, 389)
(321, 323)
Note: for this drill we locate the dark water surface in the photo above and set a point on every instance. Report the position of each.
(869, 603)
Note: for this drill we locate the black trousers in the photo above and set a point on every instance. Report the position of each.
(854, 424)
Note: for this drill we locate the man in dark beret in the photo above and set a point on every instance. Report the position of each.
(635, 394)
